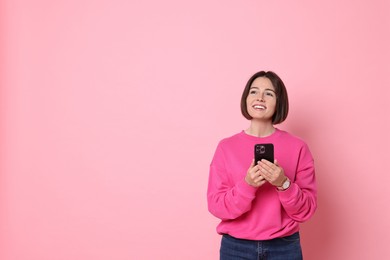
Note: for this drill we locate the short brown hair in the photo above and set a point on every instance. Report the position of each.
(281, 109)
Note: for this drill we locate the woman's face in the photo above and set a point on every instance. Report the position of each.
(261, 100)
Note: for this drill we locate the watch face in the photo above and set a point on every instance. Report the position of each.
(286, 184)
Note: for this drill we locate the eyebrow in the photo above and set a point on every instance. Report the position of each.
(265, 89)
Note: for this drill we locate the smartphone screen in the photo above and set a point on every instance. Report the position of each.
(264, 151)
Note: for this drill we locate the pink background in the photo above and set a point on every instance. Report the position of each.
(111, 111)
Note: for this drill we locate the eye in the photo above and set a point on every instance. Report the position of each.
(253, 92)
(270, 94)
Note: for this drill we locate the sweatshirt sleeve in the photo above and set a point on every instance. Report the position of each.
(226, 199)
(300, 199)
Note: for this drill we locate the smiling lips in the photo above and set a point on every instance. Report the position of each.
(259, 107)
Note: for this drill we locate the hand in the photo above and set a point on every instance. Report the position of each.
(272, 172)
(253, 176)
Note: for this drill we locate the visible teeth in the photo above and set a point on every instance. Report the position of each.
(259, 107)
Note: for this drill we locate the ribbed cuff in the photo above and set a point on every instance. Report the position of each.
(291, 192)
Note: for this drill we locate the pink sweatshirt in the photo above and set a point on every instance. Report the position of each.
(261, 213)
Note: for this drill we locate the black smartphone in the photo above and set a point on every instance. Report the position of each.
(264, 151)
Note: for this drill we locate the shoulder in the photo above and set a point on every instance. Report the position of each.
(296, 145)
(224, 148)
(229, 143)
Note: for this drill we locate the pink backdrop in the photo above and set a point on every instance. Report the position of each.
(111, 111)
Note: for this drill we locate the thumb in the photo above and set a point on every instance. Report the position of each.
(276, 162)
(253, 163)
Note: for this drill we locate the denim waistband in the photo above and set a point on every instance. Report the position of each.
(293, 236)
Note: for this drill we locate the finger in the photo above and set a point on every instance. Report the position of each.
(260, 183)
(252, 169)
(253, 175)
(266, 175)
(260, 179)
(253, 163)
(254, 172)
(267, 165)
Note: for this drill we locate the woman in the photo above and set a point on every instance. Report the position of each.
(261, 204)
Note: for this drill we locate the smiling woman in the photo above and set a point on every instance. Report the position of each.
(261, 100)
(261, 203)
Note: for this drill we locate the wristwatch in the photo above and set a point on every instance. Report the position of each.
(285, 185)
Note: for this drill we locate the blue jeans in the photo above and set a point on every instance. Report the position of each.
(284, 248)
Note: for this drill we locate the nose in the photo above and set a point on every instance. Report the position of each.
(260, 97)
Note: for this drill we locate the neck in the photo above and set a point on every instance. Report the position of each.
(260, 129)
